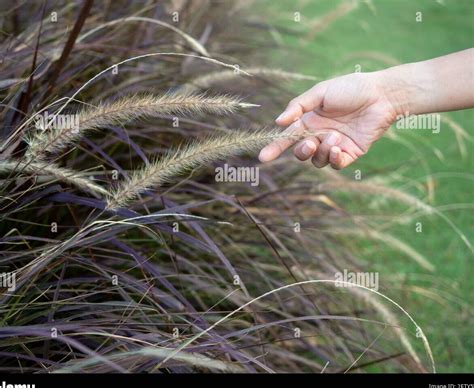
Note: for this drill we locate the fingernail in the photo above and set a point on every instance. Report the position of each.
(308, 147)
(332, 139)
(263, 155)
(282, 116)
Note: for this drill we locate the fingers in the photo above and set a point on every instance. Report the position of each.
(321, 158)
(276, 148)
(339, 159)
(304, 103)
(327, 151)
(306, 148)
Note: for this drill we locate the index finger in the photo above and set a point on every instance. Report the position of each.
(277, 147)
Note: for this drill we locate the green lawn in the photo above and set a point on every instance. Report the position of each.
(389, 27)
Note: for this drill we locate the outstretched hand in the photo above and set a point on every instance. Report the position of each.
(347, 114)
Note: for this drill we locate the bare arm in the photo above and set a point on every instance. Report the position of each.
(437, 85)
(349, 113)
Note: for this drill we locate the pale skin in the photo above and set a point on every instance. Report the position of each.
(348, 114)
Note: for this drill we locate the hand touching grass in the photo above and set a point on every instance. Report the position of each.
(349, 113)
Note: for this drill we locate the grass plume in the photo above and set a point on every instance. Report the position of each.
(207, 80)
(192, 155)
(62, 174)
(53, 141)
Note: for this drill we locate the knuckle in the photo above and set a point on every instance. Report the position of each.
(293, 102)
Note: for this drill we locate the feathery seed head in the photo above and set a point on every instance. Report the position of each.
(54, 140)
(191, 156)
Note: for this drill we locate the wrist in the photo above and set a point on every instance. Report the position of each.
(408, 87)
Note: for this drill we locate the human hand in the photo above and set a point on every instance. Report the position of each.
(347, 114)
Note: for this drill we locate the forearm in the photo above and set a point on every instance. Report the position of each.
(437, 85)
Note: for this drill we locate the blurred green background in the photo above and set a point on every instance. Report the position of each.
(332, 39)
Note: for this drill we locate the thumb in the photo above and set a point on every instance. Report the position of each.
(306, 102)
